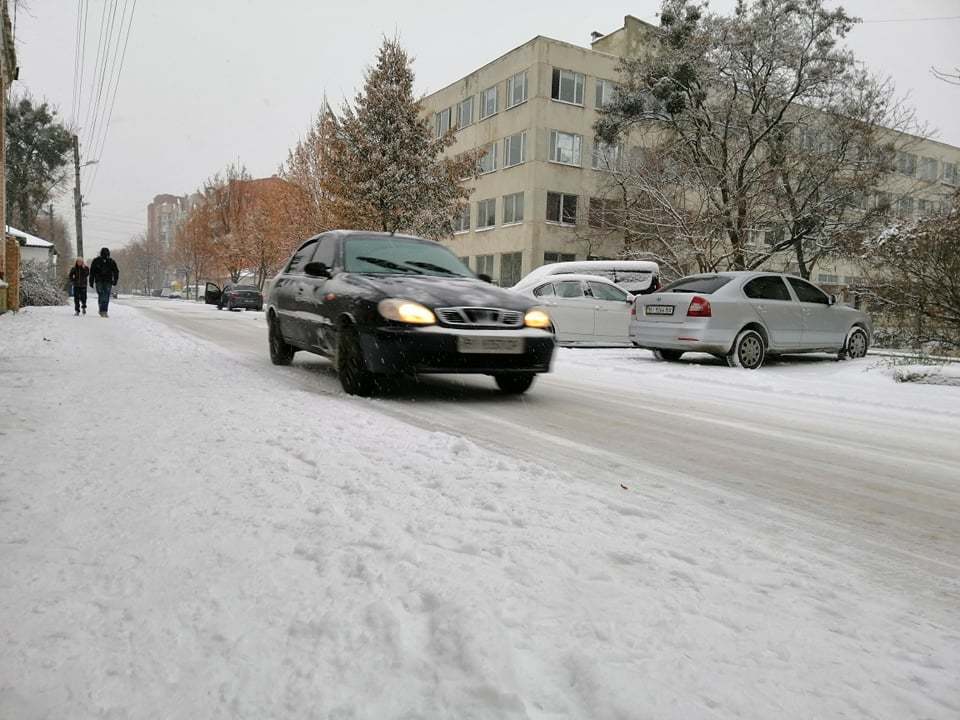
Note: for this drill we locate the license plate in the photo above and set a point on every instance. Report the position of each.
(490, 345)
(658, 310)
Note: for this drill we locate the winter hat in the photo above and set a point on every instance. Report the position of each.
(104, 252)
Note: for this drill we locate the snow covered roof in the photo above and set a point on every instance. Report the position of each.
(28, 239)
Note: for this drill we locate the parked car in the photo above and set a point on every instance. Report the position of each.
(233, 297)
(384, 305)
(745, 316)
(637, 277)
(584, 309)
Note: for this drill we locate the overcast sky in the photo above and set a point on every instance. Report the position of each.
(206, 82)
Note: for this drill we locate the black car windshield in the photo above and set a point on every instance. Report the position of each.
(245, 287)
(401, 256)
(703, 284)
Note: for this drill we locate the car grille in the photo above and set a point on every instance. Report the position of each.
(479, 317)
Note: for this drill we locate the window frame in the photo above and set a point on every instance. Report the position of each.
(513, 255)
(795, 282)
(599, 85)
(487, 202)
(513, 220)
(759, 278)
(288, 270)
(492, 154)
(563, 196)
(554, 138)
(458, 228)
(460, 123)
(510, 88)
(508, 144)
(556, 80)
(596, 155)
(483, 104)
(623, 295)
(437, 122)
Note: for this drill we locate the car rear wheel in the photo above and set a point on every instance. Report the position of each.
(281, 352)
(668, 355)
(857, 345)
(748, 351)
(514, 383)
(355, 377)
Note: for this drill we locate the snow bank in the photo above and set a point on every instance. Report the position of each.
(928, 374)
(183, 535)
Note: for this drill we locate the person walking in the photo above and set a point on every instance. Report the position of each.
(104, 274)
(78, 276)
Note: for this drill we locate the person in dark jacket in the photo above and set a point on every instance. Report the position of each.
(104, 274)
(78, 279)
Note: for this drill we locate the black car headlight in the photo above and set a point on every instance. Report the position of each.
(406, 311)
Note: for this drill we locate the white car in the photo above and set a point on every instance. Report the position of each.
(585, 309)
(637, 277)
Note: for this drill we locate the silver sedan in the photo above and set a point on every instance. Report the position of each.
(745, 316)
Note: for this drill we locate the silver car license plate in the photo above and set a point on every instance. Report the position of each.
(658, 310)
(487, 345)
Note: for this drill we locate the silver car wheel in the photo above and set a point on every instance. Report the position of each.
(748, 351)
(857, 345)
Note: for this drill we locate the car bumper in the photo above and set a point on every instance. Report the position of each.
(250, 303)
(434, 349)
(680, 336)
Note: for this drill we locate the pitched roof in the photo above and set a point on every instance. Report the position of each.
(28, 239)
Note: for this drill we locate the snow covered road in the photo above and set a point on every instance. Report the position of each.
(187, 531)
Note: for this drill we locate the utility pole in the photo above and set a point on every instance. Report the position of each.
(77, 197)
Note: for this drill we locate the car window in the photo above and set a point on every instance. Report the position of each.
(768, 287)
(326, 251)
(301, 257)
(602, 291)
(401, 256)
(244, 287)
(569, 289)
(807, 292)
(699, 285)
(543, 290)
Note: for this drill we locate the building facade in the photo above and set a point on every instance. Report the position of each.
(539, 197)
(164, 214)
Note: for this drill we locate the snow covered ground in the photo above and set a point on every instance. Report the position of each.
(186, 531)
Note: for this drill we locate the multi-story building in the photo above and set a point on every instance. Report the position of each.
(539, 197)
(163, 216)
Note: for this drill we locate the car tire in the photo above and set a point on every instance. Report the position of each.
(856, 345)
(514, 383)
(281, 352)
(748, 351)
(668, 355)
(355, 377)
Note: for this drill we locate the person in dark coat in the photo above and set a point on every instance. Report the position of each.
(78, 276)
(104, 274)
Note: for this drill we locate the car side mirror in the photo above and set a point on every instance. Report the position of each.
(317, 269)
(831, 299)
(486, 278)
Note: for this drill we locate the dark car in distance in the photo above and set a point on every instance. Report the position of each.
(383, 306)
(233, 296)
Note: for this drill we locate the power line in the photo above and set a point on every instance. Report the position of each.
(96, 65)
(112, 81)
(92, 130)
(76, 62)
(907, 20)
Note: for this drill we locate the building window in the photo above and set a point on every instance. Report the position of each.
(441, 123)
(461, 221)
(513, 208)
(489, 100)
(926, 207)
(606, 91)
(487, 213)
(883, 202)
(951, 173)
(465, 113)
(607, 156)
(488, 161)
(562, 208)
(551, 257)
(517, 89)
(515, 149)
(565, 147)
(828, 279)
(511, 266)
(604, 213)
(485, 265)
(906, 163)
(905, 207)
(567, 86)
(927, 169)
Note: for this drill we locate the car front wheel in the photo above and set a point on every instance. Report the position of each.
(281, 352)
(355, 377)
(668, 355)
(514, 383)
(748, 351)
(857, 345)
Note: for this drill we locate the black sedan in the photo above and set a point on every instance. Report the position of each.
(384, 305)
(233, 297)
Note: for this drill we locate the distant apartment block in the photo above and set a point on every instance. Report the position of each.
(164, 214)
(539, 197)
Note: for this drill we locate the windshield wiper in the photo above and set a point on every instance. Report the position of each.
(387, 264)
(431, 266)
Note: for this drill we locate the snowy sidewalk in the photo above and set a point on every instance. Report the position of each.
(186, 536)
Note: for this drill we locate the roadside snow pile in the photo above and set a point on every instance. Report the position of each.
(946, 374)
(185, 535)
